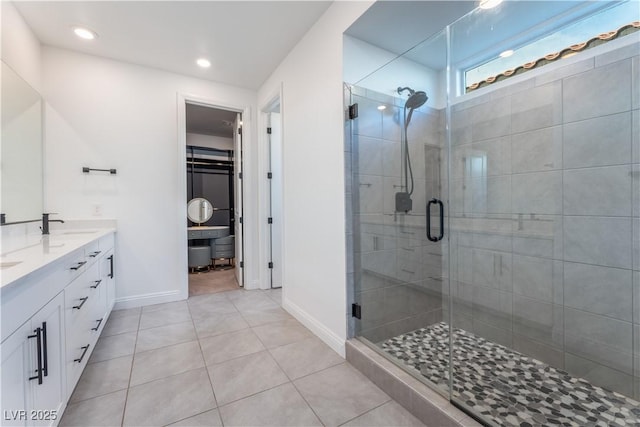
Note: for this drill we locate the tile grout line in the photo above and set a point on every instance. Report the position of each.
(372, 409)
(133, 357)
(215, 399)
(307, 402)
(291, 381)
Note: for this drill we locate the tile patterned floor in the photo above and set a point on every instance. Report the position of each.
(226, 359)
(212, 281)
(507, 387)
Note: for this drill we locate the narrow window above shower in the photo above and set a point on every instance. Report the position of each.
(581, 26)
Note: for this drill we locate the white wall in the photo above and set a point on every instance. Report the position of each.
(362, 58)
(21, 49)
(314, 284)
(209, 141)
(108, 114)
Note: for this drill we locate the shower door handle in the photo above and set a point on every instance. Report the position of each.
(428, 215)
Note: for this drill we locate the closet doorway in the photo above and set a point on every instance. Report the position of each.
(214, 199)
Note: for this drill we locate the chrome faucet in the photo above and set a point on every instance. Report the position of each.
(46, 221)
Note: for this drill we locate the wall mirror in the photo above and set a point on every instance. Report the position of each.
(199, 210)
(21, 150)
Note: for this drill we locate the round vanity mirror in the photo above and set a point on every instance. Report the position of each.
(199, 210)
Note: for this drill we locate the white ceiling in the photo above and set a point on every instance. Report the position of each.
(210, 121)
(244, 40)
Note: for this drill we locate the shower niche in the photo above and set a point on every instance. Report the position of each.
(494, 232)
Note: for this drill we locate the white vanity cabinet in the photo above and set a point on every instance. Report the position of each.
(52, 317)
(33, 382)
(89, 300)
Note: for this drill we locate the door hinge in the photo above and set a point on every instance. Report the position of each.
(269, 131)
(356, 310)
(269, 175)
(239, 131)
(240, 220)
(241, 264)
(270, 220)
(239, 175)
(270, 265)
(353, 111)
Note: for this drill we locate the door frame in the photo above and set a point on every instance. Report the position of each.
(276, 96)
(182, 100)
(267, 191)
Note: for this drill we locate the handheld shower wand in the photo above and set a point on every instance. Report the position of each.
(415, 100)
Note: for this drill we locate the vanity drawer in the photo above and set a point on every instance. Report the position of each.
(82, 293)
(75, 265)
(214, 234)
(98, 308)
(79, 348)
(92, 252)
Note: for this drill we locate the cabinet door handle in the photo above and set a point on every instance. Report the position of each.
(80, 264)
(79, 306)
(110, 267)
(84, 351)
(45, 356)
(98, 325)
(94, 254)
(96, 284)
(38, 338)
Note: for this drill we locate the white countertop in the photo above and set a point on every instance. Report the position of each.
(30, 253)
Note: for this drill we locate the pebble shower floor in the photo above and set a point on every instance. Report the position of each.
(506, 387)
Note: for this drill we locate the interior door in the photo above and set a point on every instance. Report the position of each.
(275, 150)
(238, 226)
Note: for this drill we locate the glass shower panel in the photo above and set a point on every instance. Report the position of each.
(544, 202)
(398, 167)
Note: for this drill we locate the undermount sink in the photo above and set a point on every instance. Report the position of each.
(9, 264)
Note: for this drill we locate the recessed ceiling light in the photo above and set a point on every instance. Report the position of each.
(204, 63)
(85, 33)
(506, 53)
(489, 4)
(382, 107)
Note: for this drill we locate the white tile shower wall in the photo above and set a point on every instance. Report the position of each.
(397, 271)
(545, 227)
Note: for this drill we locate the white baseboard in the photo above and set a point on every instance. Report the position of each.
(322, 332)
(147, 299)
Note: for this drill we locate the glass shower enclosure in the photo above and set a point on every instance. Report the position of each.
(495, 224)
